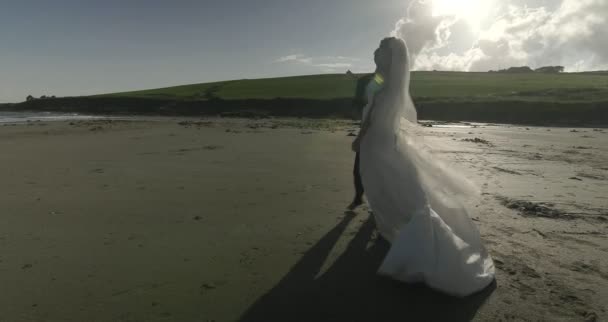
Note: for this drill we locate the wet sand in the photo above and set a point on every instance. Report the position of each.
(226, 220)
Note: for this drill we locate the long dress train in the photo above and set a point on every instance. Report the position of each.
(421, 206)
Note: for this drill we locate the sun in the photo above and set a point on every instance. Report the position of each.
(474, 12)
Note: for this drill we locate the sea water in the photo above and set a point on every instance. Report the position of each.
(21, 117)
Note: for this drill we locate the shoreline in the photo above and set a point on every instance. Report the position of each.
(587, 114)
(52, 116)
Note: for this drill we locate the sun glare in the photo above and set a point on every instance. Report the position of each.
(472, 11)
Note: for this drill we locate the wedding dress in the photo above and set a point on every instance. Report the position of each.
(420, 206)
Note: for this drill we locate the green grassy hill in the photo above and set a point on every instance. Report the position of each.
(308, 87)
(530, 98)
(426, 86)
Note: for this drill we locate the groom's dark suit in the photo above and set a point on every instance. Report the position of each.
(359, 103)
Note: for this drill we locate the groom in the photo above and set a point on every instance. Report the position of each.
(359, 102)
(367, 87)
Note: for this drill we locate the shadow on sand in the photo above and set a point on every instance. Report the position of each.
(351, 290)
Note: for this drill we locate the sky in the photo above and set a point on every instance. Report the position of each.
(68, 47)
(482, 35)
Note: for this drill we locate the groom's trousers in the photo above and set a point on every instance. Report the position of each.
(357, 177)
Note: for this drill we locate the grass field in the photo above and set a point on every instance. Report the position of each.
(427, 86)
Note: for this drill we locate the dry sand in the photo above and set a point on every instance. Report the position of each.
(224, 220)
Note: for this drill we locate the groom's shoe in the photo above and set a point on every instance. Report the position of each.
(356, 203)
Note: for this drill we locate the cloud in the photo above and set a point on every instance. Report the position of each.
(334, 65)
(342, 58)
(294, 58)
(286, 58)
(419, 28)
(572, 34)
(323, 63)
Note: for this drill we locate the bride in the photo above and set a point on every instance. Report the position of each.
(420, 206)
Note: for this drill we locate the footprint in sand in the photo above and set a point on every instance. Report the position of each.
(205, 287)
(530, 272)
(592, 176)
(524, 289)
(588, 268)
(206, 147)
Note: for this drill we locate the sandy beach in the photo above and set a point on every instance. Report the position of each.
(173, 219)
